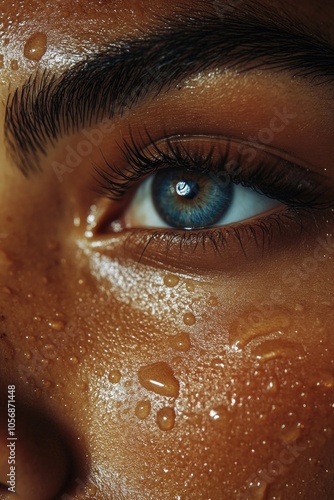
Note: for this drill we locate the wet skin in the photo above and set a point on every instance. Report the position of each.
(162, 368)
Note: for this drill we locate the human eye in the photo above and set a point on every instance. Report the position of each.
(216, 191)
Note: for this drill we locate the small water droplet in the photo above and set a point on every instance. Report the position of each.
(291, 433)
(91, 490)
(170, 280)
(74, 360)
(57, 324)
(180, 342)
(28, 355)
(324, 379)
(159, 378)
(219, 415)
(189, 319)
(190, 287)
(273, 385)
(166, 418)
(217, 363)
(114, 376)
(35, 46)
(46, 383)
(143, 409)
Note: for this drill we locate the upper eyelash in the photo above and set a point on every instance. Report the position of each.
(115, 182)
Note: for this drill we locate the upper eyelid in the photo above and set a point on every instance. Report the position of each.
(47, 107)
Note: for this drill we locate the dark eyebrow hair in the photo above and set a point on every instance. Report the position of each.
(122, 74)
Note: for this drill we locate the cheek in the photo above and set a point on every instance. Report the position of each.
(201, 382)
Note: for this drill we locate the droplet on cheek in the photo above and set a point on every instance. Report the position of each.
(35, 47)
(143, 409)
(57, 325)
(114, 376)
(159, 378)
(219, 415)
(254, 326)
(170, 280)
(180, 342)
(166, 418)
(189, 319)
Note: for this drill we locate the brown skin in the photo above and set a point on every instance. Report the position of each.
(72, 312)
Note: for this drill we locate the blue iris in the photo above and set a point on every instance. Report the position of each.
(187, 199)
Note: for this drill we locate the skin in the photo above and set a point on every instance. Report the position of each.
(254, 411)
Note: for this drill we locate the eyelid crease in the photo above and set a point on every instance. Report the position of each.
(275, 177)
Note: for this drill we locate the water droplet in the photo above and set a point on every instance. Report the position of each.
(277, 349)
(180, 342)
(14, 65)
(91, 490)
(217, 363)
(143, 409)
(159, 378)
(57, 324)
(74, 360)
(46, 383)
(254, 326)
(273, 385)
(219, 415)
(324, 379)
(189, 319)
(291, 433)
(170, 280)
(28, 355)
(114, 376)
(190, 286)
(166, 418)
(35, 46)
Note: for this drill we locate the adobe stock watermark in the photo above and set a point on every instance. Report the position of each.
(92, 138)
(281, 464)
(249, 149)
(292, 279)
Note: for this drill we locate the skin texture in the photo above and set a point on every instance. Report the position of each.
(244, 343)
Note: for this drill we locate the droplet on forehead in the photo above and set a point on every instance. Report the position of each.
(35, 46)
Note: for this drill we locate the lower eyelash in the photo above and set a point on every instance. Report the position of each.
(260, 232)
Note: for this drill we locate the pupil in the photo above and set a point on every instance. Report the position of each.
(187, 189)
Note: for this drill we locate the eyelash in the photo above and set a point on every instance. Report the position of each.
(296, 188)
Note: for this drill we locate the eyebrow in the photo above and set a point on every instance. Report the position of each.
(119, 76)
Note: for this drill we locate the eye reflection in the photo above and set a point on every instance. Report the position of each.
(186, 199)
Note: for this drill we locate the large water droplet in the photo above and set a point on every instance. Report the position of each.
(166, 418)
(171, 280)
(35, 46)
(159, 378)
(143, 409)
(180, 342)
(114, 376)
(189, 319)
